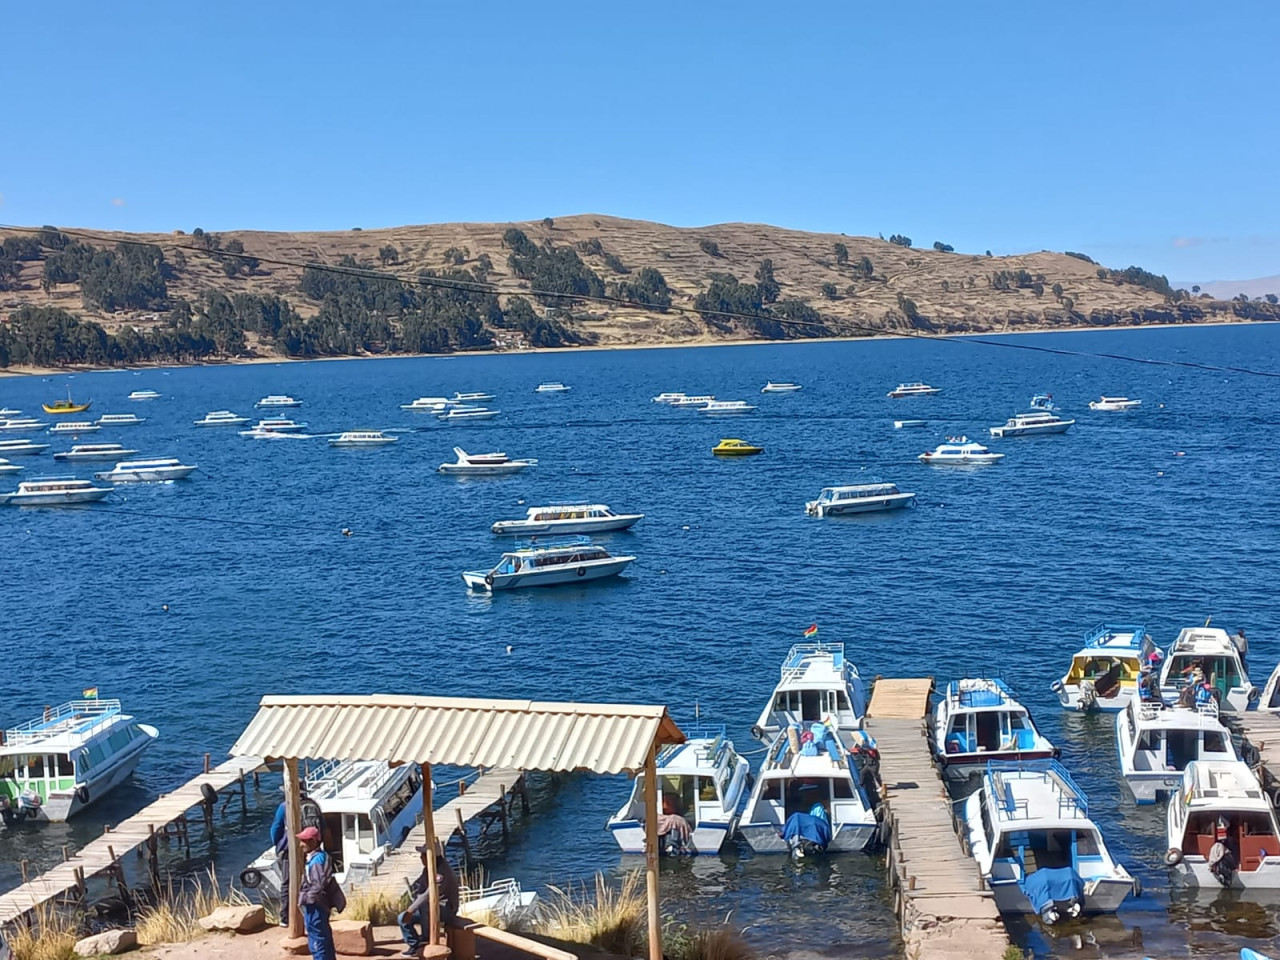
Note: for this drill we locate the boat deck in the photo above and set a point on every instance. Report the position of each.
(938, 891)
(105, 853)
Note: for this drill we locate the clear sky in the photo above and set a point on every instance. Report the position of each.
(1133, 130)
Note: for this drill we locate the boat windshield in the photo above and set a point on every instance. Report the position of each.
(1047, 849)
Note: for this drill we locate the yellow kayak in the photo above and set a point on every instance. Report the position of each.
(735, 448)
(66, 406)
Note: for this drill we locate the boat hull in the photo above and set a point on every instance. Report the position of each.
(62, 806)
(161, 475)
(558, 527)
(61, 499)
(580, 573)
(707, 837)
(1101, 896)
(66, 408)
(1069, 696)
(478, 470)
(1032, 431)
(233, 422)
(1195, 872)
(106, 456)
(977, 461)
(351, 444)
(1148, 787)
(871, 505)
(765, 838)
(957, 767)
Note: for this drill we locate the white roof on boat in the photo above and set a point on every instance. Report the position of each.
(1036, 793)
(974, 694)
(64, 728)
(1152, 715)
(353, 786)
(696, 756)
(561, 507)
(583, 545)
(1202, 641)
(811, 666)
(1208, 783)
(863, 488)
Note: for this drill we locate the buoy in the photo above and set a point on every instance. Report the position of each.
(346, 531)
(164, 607)
(1159, 473)
(508, 648)
(685, 527)
(1179, 454)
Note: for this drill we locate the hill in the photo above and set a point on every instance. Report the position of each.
(1256, 288)
(92, 297)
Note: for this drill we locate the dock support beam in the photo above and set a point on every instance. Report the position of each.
(651, 851)
(293, 826)
(429, 828)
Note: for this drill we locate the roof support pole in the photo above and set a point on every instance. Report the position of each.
(651, 850)
(429, 828)
(293, 826)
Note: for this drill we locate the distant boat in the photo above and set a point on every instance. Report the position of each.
(74, 426)
(21, 423)
(21, 448)
(961, 451)
(8, 412)
(474, 397)
(732, 447)
(7, 467)
(576, 560)
(907, 424)
(221, 418)
(782, 387)
(59, 407)
(551, 387)
(727, 407)
(144, 395)
(54, 492)
(95, 451)
(1106, 403)
(362, 438)
(914, 389)
(278, 400)
(859, 498)
(147, 471)
(120, 420)
(483, 464)
(567, 519)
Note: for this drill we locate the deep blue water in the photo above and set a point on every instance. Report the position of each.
(999, 569)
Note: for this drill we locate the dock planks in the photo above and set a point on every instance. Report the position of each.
(95, 857)
(940, 899)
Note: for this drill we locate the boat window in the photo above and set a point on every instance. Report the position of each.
(987, 827)
(1215, 741)
(65, 767)
(811, 705)
(1151, 740)
(368, 841)
(772, 790)
(842, 789)
(35, 767)
(842, 701)
(988, 730)
(1087, 844)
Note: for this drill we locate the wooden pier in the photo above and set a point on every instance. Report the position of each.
(938, 893)
(488, 799)
(1260, 731)
(166, 817)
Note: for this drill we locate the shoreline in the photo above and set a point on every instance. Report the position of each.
(30, 371)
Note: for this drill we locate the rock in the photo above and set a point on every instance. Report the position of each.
(246, 919)
(106, 944)
(353, 937)
(296, 945)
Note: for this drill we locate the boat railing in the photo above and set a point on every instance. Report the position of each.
(992, 693)
(332, 776)
(1104, 632)
(797, 661)
(553, 543)
(94, 711)
(506, 887)
(1072, 801)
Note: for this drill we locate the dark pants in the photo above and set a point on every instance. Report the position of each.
(319, 934)
(415, 935)
(284, 890)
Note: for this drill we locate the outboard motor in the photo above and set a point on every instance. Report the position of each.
(27, 806)
(1222, 862)
(1088, 695)
(807, 834)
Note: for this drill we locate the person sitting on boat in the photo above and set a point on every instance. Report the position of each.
(1149, 685)
(415, 920)
(1107, 684)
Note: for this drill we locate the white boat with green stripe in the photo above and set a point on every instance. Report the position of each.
(53, 767)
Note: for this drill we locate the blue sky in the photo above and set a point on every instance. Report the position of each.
(1139, 132)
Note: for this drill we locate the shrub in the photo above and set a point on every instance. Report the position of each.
(710, 247)
(842, 253)
(943, 247)
(614, 263)
(900, 240)
(1079, 256)
(613, 920)
(829, 291)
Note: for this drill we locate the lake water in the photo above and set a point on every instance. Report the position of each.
(1164, 515)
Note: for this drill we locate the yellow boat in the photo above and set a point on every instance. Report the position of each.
(735, 448)
(66, 406)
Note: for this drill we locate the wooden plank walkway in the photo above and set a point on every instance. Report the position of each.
(492, 790)
(1261, 729)
(96, 856)
(937, 890)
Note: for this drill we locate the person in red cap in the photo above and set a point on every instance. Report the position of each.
(314, 895)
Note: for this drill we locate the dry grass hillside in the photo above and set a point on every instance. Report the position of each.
(924, 289)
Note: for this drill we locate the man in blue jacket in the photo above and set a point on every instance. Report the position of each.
(313, 897)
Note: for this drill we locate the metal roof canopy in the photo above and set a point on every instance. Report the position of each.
(459, 731)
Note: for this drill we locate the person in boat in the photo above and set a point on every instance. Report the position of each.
(415, 920)
(1108, 684)
(1242, 646)
(318, 894)
(1149, 685)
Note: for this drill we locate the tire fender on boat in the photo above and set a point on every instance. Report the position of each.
(1254, 694)
(1172, 857)
(582, 571)
(250, 878)
(209, 794)
(82, 794)
(488, 579)
(757, 732)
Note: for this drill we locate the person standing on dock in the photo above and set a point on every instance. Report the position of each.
(280, 840)
(315, 896)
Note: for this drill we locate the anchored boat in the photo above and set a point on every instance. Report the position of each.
(726, 407)
(365, 809)
(164, 470)
(568, 519)
(576, 560)
(813, 794)
(1038, 852)
(701, 785)
(74, 426)
(1207, 655)
(483, 464)
(780, 387)
(60, 407)
(1156, 742)
(144, 395)
(21, 448)
(1114, 403)
(736, 448)
(817, 685)
(221, 418)
(978, 720)
(95, 451)
(859, 498)
(914, 389)
(1032, 424)
(554, 386)
(54, 492)
(1104, 673)
(69, 757)
(120, 420)
(278, 400)
(362, 438)
(1221, 828)
(960, 451)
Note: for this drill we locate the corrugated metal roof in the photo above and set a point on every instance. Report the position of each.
(517, 734)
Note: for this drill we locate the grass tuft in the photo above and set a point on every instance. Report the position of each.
(380, 909)
(613, 920)
(50, 935)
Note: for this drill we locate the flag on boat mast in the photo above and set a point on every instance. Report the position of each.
(812, 631)
(90, 693)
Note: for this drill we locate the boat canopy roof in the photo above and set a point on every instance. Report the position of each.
(975, 693)
(810, 665)
(596, 508)
(63, 728)
(1203, 641)
(1208, 783)
(699, 755)
(353, 786)
(828, 760)
(1152, 714)
(856, 490)
(558, 545)
(1116, 639)
(1040, 793)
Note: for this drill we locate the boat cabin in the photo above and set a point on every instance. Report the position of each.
(589, 511)
(852, 494)
(1222, 801)
(979, 720)
(558, 555)
(817, 685)
(364, 806)
(1211, 651)
(1156, 742)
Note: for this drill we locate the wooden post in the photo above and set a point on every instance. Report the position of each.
(651, 850)
(502, 813)
(462, 832)
(524, 794)
(429, 828)
(206, 762)
(244, 796)
(293, 825)
(66, 855)
(462, 787)
(22, 864)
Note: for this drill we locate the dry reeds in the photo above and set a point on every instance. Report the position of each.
(175, 917)
(380, 909)
(716, 943)
(51, 934)
(613, 920)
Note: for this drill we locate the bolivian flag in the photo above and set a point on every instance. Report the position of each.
(92, 692)
(812, 631)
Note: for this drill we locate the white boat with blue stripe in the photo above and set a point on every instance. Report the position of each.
(817, 684)
(547, 564)
(979, 720)
(1156, 741)
(701, 786)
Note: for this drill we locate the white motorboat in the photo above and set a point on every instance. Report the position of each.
(69, 757)
(144, 395)
(1104, 673)
(817, 685)
(74, 426)
(364, 810)
(1038, 852)
(726, 407)
(780, 387)
(429, 404)
(814, 794)
(859, 498)
(978, 720)
(275, 425)
(7, 467)
(278, 400)
(26, 424)
(54, 492)
(21, 448)
(120, 420)
(552, 386)
(1270, 699)
(576, 560)
(1114, 403)
(483, 464)
(914, 389)
(164, 470)
(1208, 652)
(7, 413)
(687, 401)
(474, 397)
(1221, 828)
(1156, 741)
(362, 438)
(1032, 424)
(701, 786)
(909, 424)
(221, 418)
(502, 899)
(661, 398)
(960, 451)
(1044, 401)
(95, 451)
(568, 519)
(467, 413)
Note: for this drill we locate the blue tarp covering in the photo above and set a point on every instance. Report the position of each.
(1046, 886)
(802, 826)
